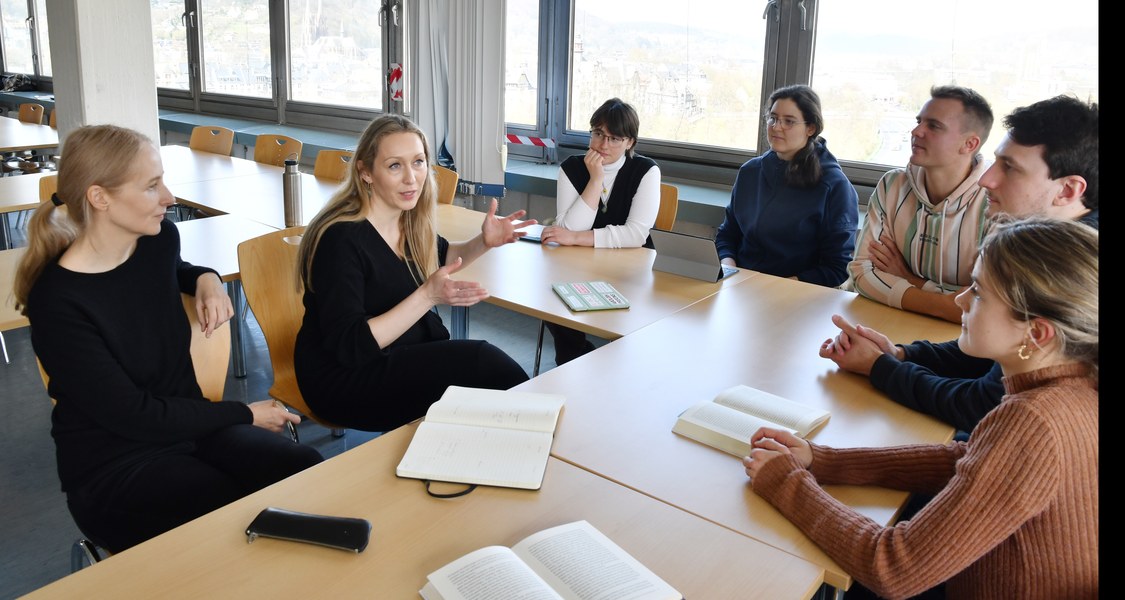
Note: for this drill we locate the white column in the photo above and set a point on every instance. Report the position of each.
(102, 62)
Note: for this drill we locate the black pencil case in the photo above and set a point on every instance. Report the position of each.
(344, 533)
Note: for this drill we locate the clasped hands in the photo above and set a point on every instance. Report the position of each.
(856, 348)
(768, 443)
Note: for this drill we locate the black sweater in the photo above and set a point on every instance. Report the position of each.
(116, 346)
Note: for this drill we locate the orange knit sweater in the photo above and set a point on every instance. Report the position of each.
(1016, 510)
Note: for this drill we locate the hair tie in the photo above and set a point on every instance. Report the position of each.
(56, 200)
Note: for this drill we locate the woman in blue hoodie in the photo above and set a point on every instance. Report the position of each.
(792, 213)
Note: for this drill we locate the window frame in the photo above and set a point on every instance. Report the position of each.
(279, 108)
(31, 22)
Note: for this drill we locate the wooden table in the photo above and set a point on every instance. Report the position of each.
(17, 135)
(184, 165)
(213, 242)
(518, 277)
(10, 318)
(255, 196)
(414, 535)
(623, 399)
(17, 193)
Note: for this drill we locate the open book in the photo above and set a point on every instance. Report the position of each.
(488, 437)
(728, 421)
(569, 562)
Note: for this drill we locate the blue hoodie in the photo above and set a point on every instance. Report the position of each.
(774, 228)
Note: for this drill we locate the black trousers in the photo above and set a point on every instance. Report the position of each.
(169, 490)
(415, 377)
(569, 343)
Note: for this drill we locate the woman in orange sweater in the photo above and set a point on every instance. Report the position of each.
(1016, 508)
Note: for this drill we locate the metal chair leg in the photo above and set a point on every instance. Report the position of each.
(83, 553)
(539, 348)
(4, 347)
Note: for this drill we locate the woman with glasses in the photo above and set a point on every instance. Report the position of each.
(793, 213)
(607, 198)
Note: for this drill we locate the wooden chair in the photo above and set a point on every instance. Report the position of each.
(31, 112)
(53, 120)
(268, 268)
(48, 185)
(274, 148)
(212, 138)
(447, 184)
(665, 219)
(210, 357)
(669, 205)
(332, 164)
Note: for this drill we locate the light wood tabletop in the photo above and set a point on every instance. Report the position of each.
(414, 535)
(255, 196)
(518, 277)
(184, 165)
(17, 135)
(20, 192)
(10, 318)
(213, 242)
(623, 399)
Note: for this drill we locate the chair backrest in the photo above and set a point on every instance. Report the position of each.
(332, 164)
(31, 112)
(53, 121)
(274, 148)
(48, 185)
(268, 268)
(212, 138)
(447, 183)
(209, 355)
(669, 205)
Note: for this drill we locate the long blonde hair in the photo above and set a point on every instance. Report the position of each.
(350, 203)
(101, 155)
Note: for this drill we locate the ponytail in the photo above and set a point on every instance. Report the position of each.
(804, 170)
(50, 232)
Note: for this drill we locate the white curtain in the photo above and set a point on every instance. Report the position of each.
(460, 87)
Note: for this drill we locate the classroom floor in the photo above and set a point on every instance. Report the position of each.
(36, 531)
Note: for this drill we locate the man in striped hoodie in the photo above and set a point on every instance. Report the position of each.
(925, 222)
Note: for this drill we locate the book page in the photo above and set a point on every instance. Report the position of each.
(721, 427)
(581, 563)
(790, 415)
(467, 454)
(497, 408)
(486, 574)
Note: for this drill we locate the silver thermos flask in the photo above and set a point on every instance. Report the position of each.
(291, 190)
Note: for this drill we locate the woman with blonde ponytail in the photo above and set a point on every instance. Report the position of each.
(372, 352)
(139, 449)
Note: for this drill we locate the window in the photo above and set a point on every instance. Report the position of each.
(170, 45)
(18, 54)
(693, 73)
(699, 73)
(334, 49)
(1014, 52)
(235, 48)
(43, 41)
(521, 63)
(320, 63)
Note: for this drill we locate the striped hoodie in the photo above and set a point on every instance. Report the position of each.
(938, 239)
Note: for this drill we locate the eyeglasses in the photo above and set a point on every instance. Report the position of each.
(612, 140)
(785, 123)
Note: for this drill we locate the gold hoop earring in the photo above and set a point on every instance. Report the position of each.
(1024, 352)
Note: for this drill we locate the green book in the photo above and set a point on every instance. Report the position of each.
(581, 296)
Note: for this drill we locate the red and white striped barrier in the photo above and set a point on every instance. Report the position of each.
(524, 140)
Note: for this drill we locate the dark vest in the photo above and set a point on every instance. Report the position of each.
(625, 186)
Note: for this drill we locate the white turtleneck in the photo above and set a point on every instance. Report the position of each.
(576, 215)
